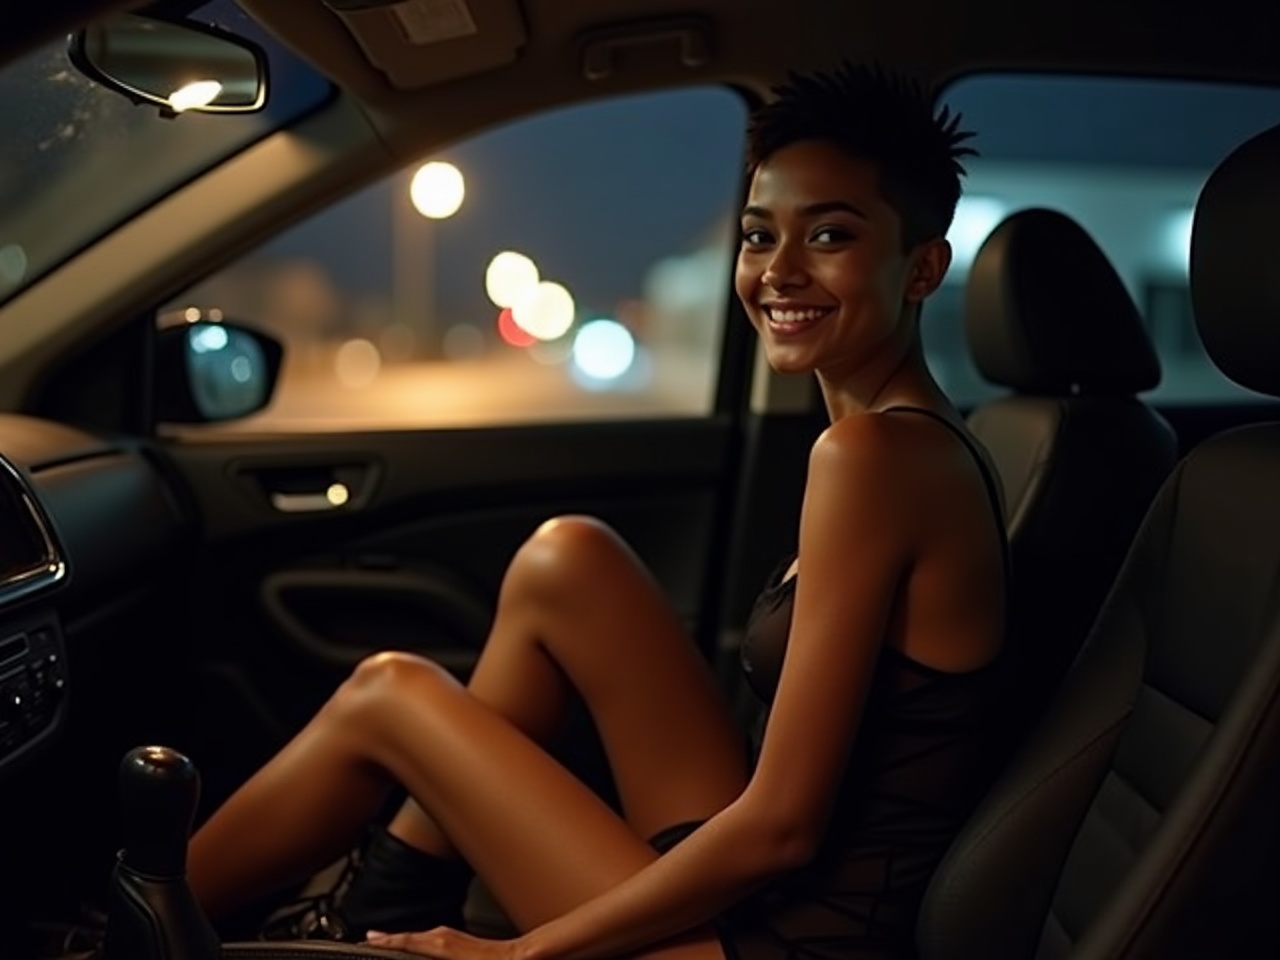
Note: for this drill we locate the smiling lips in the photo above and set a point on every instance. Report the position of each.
(792, 319)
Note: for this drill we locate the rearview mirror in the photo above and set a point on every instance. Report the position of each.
(208, 372)
(178, 67)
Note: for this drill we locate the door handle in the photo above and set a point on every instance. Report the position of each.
(313, 488)
(335, 496)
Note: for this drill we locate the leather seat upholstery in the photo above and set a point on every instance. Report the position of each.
(1142, 818)
(1079, 456)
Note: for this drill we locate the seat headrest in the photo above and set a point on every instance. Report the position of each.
(1235, 264)
(1046, 312)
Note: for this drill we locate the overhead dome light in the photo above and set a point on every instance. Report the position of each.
(201, 93)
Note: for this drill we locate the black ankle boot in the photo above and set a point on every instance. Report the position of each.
(386, 885)
(398, 888)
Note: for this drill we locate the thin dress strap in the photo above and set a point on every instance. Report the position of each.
(993, 492)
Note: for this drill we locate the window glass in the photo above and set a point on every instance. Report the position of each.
(1127, 159)
(571, 266)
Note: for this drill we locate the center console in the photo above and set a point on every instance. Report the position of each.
(33, 679)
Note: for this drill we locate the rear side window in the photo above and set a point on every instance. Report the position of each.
(571, 266)
(1127, 159)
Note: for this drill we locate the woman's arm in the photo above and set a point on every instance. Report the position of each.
(857, 539)
(857, 536)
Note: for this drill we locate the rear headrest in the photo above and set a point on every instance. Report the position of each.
(1235, 264)
(1046, 312)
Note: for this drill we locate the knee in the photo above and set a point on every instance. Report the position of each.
(564, 552)
(384, 679)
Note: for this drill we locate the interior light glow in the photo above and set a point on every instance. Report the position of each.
(241, 370)
(437, 190)
(509, 277)
(604, 349)
(201, 93)
(511, 332)
(337, 494)
(975, 218)
(209, 339)
(357, 363)
(546, 311)
(191, 314)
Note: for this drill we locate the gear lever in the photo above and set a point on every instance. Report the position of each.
(152, 913)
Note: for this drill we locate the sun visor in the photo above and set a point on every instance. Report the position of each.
(417, 43)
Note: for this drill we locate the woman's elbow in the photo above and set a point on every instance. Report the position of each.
(796, 849)
(789, 843)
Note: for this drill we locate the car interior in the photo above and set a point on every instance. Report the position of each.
(269, 404)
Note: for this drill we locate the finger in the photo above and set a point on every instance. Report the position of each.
(394, 941)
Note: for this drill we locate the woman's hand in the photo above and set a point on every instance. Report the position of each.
(445, 943)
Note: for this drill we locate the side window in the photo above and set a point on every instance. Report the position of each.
(1126, 158)
(572, 266)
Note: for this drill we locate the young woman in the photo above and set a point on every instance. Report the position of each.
(874, 651)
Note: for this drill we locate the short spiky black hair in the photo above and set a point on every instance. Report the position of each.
(880, 117)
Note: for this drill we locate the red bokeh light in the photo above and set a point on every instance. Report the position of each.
(511, 332)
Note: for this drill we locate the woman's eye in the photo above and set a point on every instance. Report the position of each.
(754, 236)
(832, 235)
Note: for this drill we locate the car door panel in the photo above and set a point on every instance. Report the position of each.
(415, 559)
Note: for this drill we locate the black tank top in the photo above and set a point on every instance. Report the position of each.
(926, 747)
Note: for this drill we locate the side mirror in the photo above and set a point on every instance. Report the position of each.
(176, 66)
(207, 372)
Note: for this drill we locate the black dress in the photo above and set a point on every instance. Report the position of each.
(927, 747)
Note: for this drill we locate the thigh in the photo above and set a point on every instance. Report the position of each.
(598, 616)
(542, 842)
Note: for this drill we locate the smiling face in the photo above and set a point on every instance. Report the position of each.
(821, 269)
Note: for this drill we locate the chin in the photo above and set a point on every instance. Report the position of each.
(786, 362)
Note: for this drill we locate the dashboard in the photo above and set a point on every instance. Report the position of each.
(82, 521)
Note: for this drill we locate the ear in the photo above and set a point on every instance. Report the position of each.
(929, 263)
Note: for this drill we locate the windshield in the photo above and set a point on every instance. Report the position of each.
(76, 159)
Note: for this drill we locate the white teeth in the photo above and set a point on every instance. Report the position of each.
(794, 316)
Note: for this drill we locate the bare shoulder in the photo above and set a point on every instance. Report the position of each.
(876, 442)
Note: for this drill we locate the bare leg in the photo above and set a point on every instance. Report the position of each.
(542, 848)
(576, 608)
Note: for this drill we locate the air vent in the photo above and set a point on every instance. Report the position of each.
(29, 557)
(416, 43)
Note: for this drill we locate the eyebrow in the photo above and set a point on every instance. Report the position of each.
(813, 210)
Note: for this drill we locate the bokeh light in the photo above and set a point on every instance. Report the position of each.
(546, 311)
(208, 339)
(357, 363)
(462, 341)
(13, 264)
(604, 349)
(437, 190)
(511, 332)
(1178, 238)
(509, 277)
(552, 353)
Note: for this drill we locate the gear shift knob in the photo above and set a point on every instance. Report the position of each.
(159, 788)
(152, 914)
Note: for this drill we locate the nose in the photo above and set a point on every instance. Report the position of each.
(784, 270)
